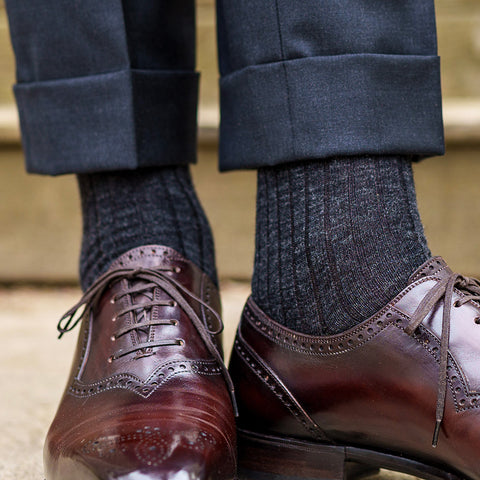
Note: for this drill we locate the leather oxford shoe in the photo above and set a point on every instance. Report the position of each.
(148, 396)
(399, 391)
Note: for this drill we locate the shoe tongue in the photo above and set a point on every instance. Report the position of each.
(435, 266)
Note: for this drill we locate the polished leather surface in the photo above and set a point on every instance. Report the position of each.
(156, 413)
(372, 386)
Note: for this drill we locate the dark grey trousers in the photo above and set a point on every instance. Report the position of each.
(111, 84)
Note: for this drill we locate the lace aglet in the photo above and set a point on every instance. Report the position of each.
(235, 406)
(233, 397)
(436, 433)
(60, 335)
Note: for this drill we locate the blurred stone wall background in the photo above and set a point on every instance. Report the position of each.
(39, 217)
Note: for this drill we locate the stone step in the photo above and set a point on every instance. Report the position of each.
(40, 217)
(461, 118)
(39, 237)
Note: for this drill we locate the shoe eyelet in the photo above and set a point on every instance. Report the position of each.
(110, 359)
(173, 303)
(477, 320)
(114, 319)
(181, 342)
(113, 338)
(456, 304)
(177, 269)
(113, 300)
(174, 322)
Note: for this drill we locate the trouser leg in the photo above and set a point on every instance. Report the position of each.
(334, 99)
(105, 85)
(312, 79)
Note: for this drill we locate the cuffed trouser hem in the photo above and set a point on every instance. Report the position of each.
(321, 107)
(111, 121)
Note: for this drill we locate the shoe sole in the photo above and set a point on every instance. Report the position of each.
(262, 457)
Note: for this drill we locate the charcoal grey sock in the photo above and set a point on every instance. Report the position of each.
(335, 240)
(127, 209)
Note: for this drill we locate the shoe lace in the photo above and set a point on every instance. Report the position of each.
(444, 289)
(153, 278)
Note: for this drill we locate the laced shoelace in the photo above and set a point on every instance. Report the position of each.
(470, 287)
(154, 277)
(142, 322)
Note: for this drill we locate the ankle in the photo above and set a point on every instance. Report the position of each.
(127, 209)
(335, 240)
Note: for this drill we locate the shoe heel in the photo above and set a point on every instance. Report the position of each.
(270, 458)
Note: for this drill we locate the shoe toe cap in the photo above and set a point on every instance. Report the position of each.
(179, 449)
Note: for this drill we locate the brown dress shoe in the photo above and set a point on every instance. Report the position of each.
(399, 391)
(148, 396)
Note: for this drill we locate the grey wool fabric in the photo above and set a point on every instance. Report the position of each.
(126, 209)
(335, 240)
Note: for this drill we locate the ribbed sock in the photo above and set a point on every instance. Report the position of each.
(127, 209)
(335, 240)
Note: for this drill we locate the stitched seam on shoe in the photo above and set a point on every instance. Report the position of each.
(458, 370)
(175, 362)
(140, 383)
(133, 390)
(85, 347)
(166, 254)
(419, 275)
(293, 406)
(319, 341)
(252, 310)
